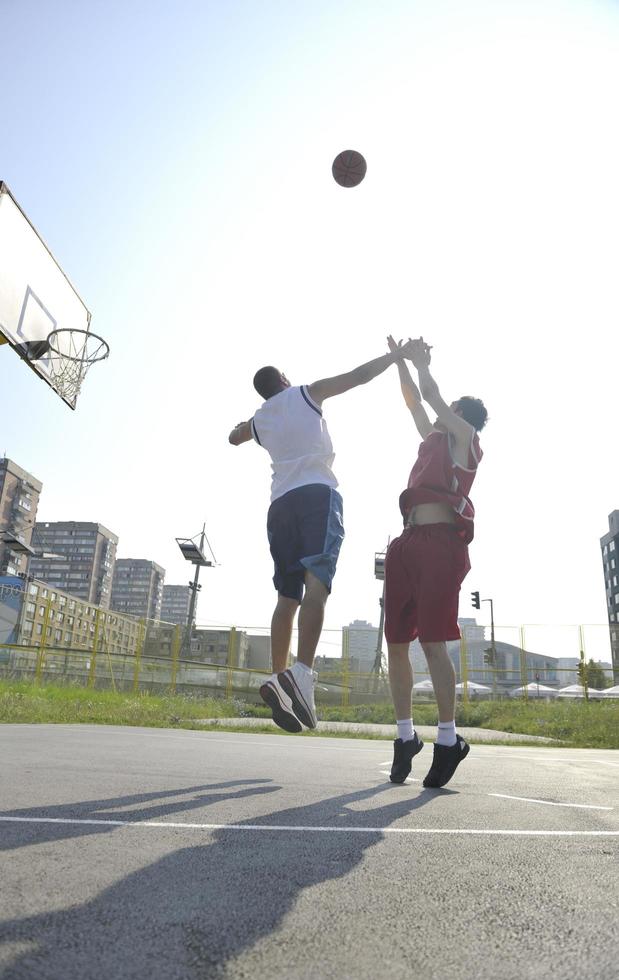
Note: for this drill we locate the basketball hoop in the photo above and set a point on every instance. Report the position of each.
(70, 355)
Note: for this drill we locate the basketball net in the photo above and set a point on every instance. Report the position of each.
(68, 367)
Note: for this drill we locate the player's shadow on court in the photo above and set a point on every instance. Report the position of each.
(185, 916)
(136, 806)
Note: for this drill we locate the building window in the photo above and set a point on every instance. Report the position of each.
(31, 608)
(605, 551)
(611, 546)
(34, 589)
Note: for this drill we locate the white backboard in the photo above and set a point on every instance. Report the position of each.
(36, 296)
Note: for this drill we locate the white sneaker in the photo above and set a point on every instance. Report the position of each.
(280, 704)
(298, 684)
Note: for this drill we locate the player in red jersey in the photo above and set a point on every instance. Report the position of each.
(426, 565)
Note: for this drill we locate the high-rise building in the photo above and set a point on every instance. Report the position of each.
(361, 637)
(137, 587)
(19, 499)
(83, 562)
(609, 545)
(175, 604)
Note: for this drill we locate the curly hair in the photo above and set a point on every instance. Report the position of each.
(473, 411)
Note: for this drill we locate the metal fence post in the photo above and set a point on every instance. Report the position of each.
(231, 647)
(138, 655)
(524, 678)
(464, 667)
(176, 646)
(95, 645)
(345, 668)
(584, 671)
(43, 643)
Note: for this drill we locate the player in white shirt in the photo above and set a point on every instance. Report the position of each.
(305, 522)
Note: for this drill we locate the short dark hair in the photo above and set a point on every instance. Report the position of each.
(473, 411)
(268, 381)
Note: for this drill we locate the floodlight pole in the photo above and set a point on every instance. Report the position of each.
(195, 588)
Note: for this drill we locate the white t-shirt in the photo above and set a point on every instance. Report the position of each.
(291, 428)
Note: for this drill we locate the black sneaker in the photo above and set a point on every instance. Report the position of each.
(281, 706)
(403, 753)
(446, 760)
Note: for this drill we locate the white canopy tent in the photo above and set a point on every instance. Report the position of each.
(535, 690)
(424, 686)
(611, 692)
(473, 688)
(578, 691)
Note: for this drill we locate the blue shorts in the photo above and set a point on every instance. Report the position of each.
(306, 530)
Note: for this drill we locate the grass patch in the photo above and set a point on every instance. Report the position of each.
(22, 702)
(576, 724)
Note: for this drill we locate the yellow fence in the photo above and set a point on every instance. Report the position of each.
(232, 662)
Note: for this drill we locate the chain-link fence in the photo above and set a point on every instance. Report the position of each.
(55, 637)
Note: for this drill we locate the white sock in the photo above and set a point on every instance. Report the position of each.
(405, 729)
(446, 734)
(303, 668)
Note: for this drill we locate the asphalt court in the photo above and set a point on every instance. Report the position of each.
(214, 850)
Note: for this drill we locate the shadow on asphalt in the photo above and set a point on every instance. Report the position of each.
(113, 809)
(188, 914)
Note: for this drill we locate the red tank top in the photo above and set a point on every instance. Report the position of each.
(437, 478)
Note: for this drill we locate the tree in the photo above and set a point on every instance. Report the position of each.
(594, 675)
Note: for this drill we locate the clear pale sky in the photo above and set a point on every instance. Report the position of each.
(176, 158)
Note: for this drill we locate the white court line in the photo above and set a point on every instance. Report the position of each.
(527, 799)
(409, 779)
(322, 830)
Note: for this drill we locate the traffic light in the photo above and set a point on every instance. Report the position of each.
(475, 600)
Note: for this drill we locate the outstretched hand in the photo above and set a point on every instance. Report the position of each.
(393, 345)
(418, 352)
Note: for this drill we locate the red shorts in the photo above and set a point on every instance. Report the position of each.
(424, 570)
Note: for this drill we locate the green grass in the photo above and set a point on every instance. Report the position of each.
(23, 702)
(592, 725)
(588, 725)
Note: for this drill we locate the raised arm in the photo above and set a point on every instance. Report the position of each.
(240, 433)
(459, 427)
(411, 393)
(337, 385)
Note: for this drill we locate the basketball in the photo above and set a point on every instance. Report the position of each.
(349, 168)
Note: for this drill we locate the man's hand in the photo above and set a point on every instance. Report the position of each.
(418, 352)
(241, 433)
(393, 345)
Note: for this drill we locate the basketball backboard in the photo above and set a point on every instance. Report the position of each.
(36, 297)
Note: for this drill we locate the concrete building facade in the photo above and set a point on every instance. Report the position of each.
(60, 620)
(222, 647)
(137, 588)
(175, 604)
(84, 559)
(609, 546)
(19, 500)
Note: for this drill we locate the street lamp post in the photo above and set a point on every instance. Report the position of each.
(195, 554)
